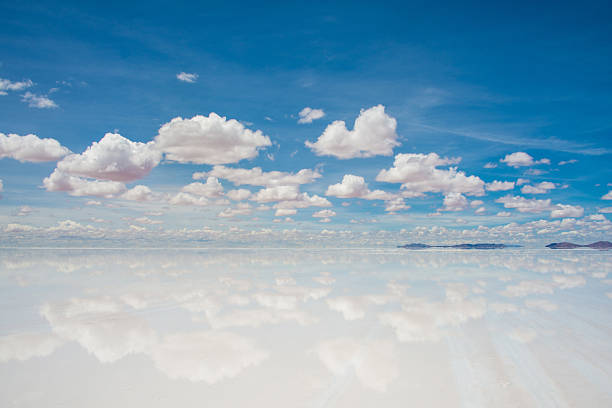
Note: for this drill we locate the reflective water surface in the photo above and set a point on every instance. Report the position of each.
(305, 328)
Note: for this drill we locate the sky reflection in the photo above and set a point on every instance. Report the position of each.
(310, 328)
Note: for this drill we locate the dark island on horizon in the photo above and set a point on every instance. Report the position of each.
(459, 246)
(554, 245)
(571, 245)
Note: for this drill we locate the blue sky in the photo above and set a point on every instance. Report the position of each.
(479, 82)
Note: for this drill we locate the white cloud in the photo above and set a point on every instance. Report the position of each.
(522, 181)
(356, 187)
(455, 202)
(30, 148)
(524, 205)
(240, 209)
(605, 210)
(138, 193)
(209, 139)
(284, 212)
(500, 185)
(373, 134)
(396, 204)
(324, 214)
(564, 162)
(8, 85)
(307, 115)
(419, 174)
(211, 189)
(257, 177)
(77, 186)
(18, 228)
(1, 186)
(183, 198)
(607, 196)
(113, 158)
(277, 193)
(303, 200)
(503, 214)
(540, 188)
(567, 211)
(522, 159)
(239, 194)
(38, 101)
(476, 203)
(490, 165)
(24, 211)
(185, 77)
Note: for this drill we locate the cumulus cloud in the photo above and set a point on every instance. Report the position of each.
(240, 209)
(30, 148)
(419, 173)
(257, 177)
(356, 187)
(303, 200)
(396, 204)
(490, 165)
(607, 196)
(211, 189)
(239, 194)
(524, 205)
(522, 181)
(209, 139)
(183, 198)
(78, 186)
(567, 211)
(277, 193)
(532, 205)
(455, 202)
(605, 210)
(138, 193)
(1, 186)
(8, 85)
(284, 212)
(113, 158)
(522, 159)
(373, 134)
(185, 77)
(324, 214)
(540, 188)
(38, 101)
(500, 185)
(307, 115)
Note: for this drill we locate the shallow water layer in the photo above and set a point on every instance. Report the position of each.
(305, 328)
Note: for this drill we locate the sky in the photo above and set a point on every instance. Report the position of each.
(304, 124)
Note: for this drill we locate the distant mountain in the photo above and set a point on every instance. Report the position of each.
(571, 245)
(458, 246)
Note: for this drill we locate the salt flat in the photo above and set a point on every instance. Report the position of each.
(305, 328)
